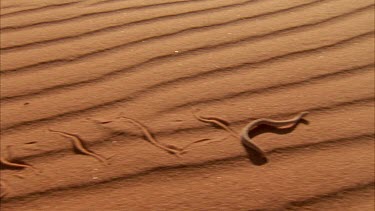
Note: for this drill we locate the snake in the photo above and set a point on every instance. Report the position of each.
(245, 138)
(244, 135)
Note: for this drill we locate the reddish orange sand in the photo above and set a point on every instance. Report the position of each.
(76, 66)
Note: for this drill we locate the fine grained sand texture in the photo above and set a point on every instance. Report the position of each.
(73, 71)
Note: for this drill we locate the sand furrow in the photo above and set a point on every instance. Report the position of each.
(323, 156)
(101, 23)
(138, 104)
(258, 106)
(17, 83)
(168, 52)
(68, 104)
(19, 9)
(137, 166)
(78, 66)
(359, 197)
(61, 15)
(124, 135)
(232, 95)
(120, 27)
(121, 39)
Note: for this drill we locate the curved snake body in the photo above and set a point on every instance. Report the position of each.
(245, 138)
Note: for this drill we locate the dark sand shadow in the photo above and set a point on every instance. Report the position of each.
(7, 167)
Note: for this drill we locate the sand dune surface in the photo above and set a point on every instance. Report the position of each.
(140, 104)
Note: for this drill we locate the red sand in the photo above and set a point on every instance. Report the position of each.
(71, 65)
